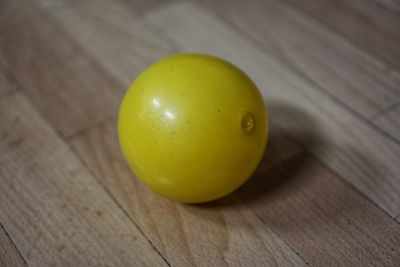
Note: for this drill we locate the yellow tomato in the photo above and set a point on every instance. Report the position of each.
(193, 127)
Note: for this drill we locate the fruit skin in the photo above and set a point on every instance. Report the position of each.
(193, 127)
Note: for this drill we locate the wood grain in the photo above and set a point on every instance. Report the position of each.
(322, 218)
(7, 84)
(111, 33)
(222, 233)
(393, 5)
(344, 142)
(390, 121)
(326, 58)
(366, 22)
(71, 91)
(9, 255)
(52, 4)
(51, 205)
(142, 7)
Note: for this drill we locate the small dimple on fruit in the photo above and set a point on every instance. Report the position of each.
(247, 123)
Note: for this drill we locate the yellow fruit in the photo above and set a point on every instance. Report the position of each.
(193, 127)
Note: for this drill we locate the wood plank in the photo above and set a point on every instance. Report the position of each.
(48, 5)
(343, 141)
(9, 255)
(52, 207)
(219, 234)
(7, 84)
(326, 58)
(390, 121)
(111, 33)
(71, 91)
(321, 217)
(141, 7)
(366, 22)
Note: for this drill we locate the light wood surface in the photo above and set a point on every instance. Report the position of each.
(390, 121)
(321, 217)
(123, 45)
(371, 24)
(327, 192)
(6, 82)
(9, 255)
(51, 204)
(69, 88)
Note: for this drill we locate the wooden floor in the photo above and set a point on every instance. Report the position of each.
(327, 192)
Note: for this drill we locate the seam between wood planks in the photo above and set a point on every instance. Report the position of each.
(59, 135)
(117, 203)
(365, 197)
(385, 110)
(352, 41)
(12, 242)
(276, 233)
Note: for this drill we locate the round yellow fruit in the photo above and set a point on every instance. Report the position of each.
(193, 127)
